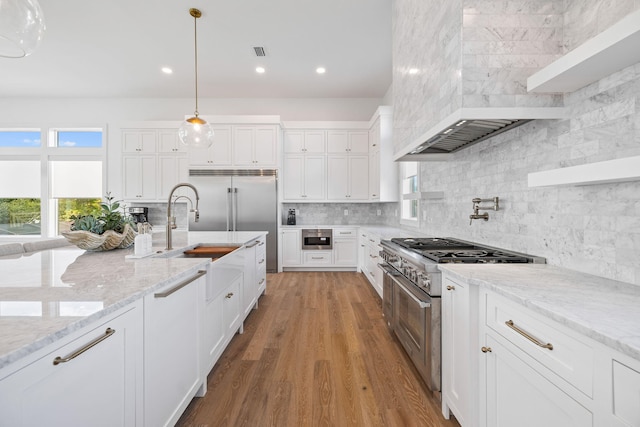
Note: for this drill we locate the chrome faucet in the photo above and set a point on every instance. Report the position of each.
(476, 208)
(172, 219)
(171, 224)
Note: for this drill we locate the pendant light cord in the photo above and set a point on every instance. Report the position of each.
(195, 44)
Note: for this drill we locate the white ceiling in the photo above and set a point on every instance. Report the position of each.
(115, 48)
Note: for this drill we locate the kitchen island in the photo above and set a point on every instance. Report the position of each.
(55, 306)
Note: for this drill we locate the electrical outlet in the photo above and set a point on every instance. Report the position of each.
(379, 212)
(346, 212)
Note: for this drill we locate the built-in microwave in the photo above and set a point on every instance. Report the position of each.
(317, 238)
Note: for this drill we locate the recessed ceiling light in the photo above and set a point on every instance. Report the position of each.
(413, 71)
(321, 70)
(167, 70)
(260, 70)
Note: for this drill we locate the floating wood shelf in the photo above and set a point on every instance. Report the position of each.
(619, 170)
(612, 50)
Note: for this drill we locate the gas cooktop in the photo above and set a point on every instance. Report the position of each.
(446, 250)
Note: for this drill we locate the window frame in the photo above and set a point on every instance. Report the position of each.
(414, 195)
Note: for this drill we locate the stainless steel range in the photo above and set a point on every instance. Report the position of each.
(412, 287)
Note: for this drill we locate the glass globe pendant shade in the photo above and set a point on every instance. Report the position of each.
(21, 27)
(195, 132)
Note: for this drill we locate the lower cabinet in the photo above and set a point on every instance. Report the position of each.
(91, 380)
(345, 247)
(517, 394)
(371, 260)
(291, 244)
(172, 371)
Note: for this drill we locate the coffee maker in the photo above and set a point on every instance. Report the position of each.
(139, 214)
(291, 218)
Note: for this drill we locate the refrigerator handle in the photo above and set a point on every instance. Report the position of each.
(228, 207)
(235, 207)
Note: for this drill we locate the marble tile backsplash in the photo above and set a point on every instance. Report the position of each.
(334, 213)
(593, 229)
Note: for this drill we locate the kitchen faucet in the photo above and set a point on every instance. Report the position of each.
(170, 219)
(173, 218)
(476, 207)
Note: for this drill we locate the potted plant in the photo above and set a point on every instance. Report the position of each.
(110, 229)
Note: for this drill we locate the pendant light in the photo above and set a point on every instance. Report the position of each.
(196, 132)
(21, 27)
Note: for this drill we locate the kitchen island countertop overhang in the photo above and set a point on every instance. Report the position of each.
(47, 295)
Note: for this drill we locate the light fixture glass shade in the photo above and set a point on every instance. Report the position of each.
(21, 27)
(195, 132)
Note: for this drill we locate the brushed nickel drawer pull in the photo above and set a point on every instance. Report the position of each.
(180, 285)
(486, 349)
(229, 295)
(58, 360)
(261, 281)
(525, 334)
(261, 261)
(254, 244)
(450, 288)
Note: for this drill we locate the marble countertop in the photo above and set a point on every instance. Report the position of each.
(385, 232)
(605, 310)
(46, 295)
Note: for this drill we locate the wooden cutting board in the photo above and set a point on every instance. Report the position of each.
(213, 251)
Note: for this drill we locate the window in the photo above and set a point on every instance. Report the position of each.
(20, 197)
(43, 186)
(410, 193)
(88, 138)
(20, 138)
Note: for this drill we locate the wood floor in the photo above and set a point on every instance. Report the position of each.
(315, 353)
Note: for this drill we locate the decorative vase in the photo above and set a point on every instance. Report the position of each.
(101, 242)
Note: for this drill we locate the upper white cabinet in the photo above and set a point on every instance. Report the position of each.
(348, 177)
(305, 142)
(139, 177)
(219, 154)
(383, 171)
(304, 177)
(347, 141)
(139, 141)
(169, 142)
(255, 146)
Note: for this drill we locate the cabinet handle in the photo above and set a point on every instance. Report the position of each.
(450, 288)
(180, 285)
(261, 281)
(254, 244)
(317, 257)
(261, 261)
(229, 295)
(486, 349)
(58, 360)
(261, 244)
(528, 336)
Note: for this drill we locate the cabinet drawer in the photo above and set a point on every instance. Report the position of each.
(569, 357)
(344, 232)
(317, 257)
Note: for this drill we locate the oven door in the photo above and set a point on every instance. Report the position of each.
(417, 326)
(387, 294)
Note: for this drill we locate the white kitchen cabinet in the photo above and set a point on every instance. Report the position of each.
(348, 177)
(347, 142)
(625, 410)
(249, 283)
(291, 244)
(457, 357)
(100, 386)
(218, 155)
(383, 171)
(345, 247)
(141, 141)
(232, 308)
(255, 146)
(172, 353)
(517, 394)
(304, 142)
(304, 177)
(261, 265)
(371, 260)
(172, 169)
(169, 142)
(139, 177)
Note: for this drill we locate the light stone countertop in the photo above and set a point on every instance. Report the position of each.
(385, 232)
(47, 295)
(605, 310)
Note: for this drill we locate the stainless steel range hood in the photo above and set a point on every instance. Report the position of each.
(468, 126)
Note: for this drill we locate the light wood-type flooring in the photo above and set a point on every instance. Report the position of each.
(316, 353)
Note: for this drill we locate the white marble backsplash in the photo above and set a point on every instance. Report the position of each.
(334, 213)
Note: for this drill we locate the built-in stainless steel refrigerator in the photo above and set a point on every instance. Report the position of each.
(239, 200)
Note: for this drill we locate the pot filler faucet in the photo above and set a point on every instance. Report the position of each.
(171, 219)
(476, 207)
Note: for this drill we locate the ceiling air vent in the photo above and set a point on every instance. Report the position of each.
(259, 50)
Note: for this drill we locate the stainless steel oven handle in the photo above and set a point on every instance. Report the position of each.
(389, 270)
(420, 303)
